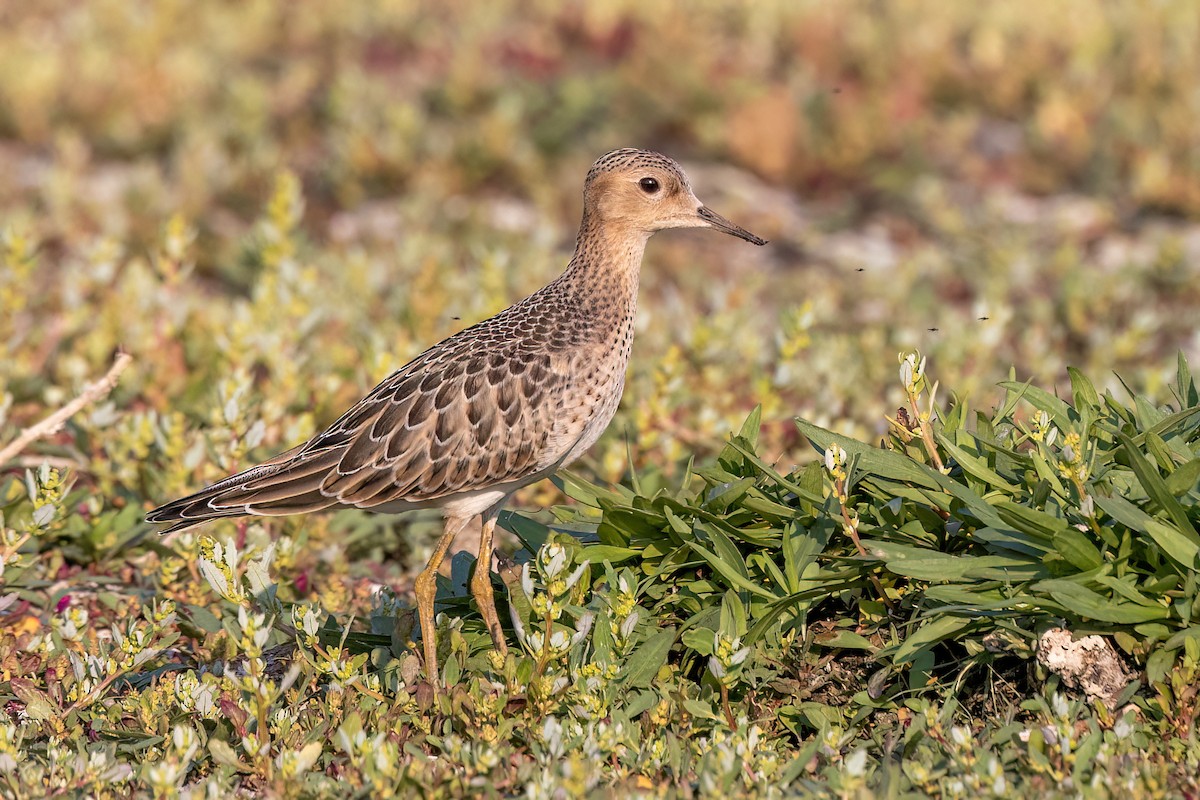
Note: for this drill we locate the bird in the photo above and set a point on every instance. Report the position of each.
(499, 405)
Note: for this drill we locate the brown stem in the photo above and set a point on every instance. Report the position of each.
(544, 656)
(725, 705)
(852, 531)
(51, 424)
(926, 433)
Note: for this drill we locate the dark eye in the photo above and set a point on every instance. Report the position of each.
(649, 185)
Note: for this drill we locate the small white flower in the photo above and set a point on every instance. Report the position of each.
(629, 624)
(1123, 728)
(305, 619)
(835, 457)
(574, 577)
(295, 762)
(559, 640)
(856, 763)
(1087, 506)
(906, 371)
(583, 627)
(255, 435)
(518, 625)
(218, 564)
(552, 558)
(44, 515)
(258, 572)
(185, 741)
(911, 370)
(552, 736)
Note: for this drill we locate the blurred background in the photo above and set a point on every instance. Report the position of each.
(272, 204)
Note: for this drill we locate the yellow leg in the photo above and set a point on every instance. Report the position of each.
(426, 591)
(481, 585)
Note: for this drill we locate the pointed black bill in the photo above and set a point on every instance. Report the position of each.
(725, 226)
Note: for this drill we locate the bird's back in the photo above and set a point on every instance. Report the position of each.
(497, 405)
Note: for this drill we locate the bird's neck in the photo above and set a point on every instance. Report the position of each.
(605, 269)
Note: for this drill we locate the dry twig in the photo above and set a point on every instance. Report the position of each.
(53, 423)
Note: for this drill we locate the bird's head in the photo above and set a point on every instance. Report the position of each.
(647, 192)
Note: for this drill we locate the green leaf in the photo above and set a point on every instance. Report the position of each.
(733, 614)
(897, 467)
(225, 755)
(586, 492)
(1179, 547)
(735, 573)
(1042, 400)
(975, 466)
(1125, 587)
(751, 426)
(1077, 549)
(640, 703)
(845, 640)
(1082, 389)
(929, 634)
(1079, 600)
(797, 602)
(698, 639)
(532, 533)
(646, 661)
(1162, 454)
(1158, 664)
(700, 710)
(1030, 520)
(38, 704)
(1184, 385)
(930, 565)
(1177, 641)
(808, 493)
(1184, 478)
(1175, 543)
(720, 498)
(203, 619)
(1147, 415)
(600, 553)
(1154, 485)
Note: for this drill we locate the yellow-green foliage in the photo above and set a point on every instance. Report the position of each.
(271, 205)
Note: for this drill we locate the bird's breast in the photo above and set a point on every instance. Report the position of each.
(590, 399)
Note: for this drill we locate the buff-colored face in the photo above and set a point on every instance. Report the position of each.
(649, 192)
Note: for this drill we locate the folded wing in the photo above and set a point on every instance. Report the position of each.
(453, 420)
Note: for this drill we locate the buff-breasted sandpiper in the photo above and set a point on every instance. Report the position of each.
(494, 407)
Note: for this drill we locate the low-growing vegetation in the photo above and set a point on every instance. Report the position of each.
(269, 206)
(865, 623)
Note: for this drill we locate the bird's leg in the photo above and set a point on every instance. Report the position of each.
(425, 589)
(481, 585)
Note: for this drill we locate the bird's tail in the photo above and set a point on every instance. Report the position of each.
(284, 485)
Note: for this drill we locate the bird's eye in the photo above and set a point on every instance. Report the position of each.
(649, 185)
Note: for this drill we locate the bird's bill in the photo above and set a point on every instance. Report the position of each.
(718, 222)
